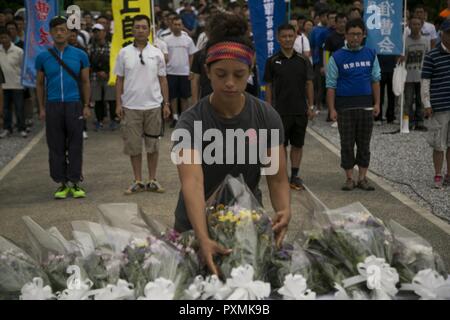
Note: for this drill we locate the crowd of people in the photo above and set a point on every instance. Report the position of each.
(159, 82)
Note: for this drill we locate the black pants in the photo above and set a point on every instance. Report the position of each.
(64, 131)
(13, 97)
(319, 87)
(355, 127)
(386, 84)
(100, 110)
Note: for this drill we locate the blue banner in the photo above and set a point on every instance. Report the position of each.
(383, 19)
(265, 17)
(37, 35)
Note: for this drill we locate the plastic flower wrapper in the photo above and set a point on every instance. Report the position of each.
(173, 260)
(293, 259)
(46, 242)
(102, 268)
(350, 236)
(145, 260)
(412, 253)
(55, 266)
(129, 217)
(237, 221)
(17, 269)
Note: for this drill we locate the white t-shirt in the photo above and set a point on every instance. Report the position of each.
(161, 45)
(11, 64)
(141, 84)
(201, 41)
(301, 44)
(180, 48)
(428, 31)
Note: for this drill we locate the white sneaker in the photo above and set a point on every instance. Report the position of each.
(4, 134)
(23, 134)
(334, 124)
(378, 123)
(85, 135)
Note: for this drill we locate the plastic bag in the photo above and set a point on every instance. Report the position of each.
(237, 221)
(16, 269)
(399, 79)
(412, 254)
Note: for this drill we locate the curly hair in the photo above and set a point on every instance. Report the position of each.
(224, 26)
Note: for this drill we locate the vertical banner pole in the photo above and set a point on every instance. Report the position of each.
(289, 9)
(402, 97)
(152, 6)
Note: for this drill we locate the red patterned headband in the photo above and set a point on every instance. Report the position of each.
(230, 50)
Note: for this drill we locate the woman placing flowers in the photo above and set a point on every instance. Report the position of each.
(228, 111)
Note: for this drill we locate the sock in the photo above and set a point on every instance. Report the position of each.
(294, 172)
(175, 116)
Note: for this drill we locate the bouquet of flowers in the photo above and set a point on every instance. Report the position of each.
(150, 259)
(347, 238)
(237, 221)
(292, 259)
(16, 269)
(412, 254)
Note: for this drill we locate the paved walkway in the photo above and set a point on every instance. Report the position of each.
(27, 190)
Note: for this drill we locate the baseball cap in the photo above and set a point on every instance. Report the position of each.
(98, 26)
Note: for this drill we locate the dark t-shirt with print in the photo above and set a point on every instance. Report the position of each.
(256, 115)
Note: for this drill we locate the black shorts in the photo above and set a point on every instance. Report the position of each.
(179, 87)
(294, 130)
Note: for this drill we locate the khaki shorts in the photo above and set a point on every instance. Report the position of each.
(439, 130)
(138, 125)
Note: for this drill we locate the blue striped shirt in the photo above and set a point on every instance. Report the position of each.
(436, 67)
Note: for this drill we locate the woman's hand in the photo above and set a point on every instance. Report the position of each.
(280, 226)
(209, 249)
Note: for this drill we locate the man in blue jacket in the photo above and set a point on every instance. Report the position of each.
(353, 97)
(63, 93)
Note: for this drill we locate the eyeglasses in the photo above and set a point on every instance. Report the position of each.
(142, 60)
(356, 35)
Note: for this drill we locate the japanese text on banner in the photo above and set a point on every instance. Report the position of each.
(37, 35)
(383, 19)
(265, 17)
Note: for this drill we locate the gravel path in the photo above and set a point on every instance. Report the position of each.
(403, 158)
(12, 145)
